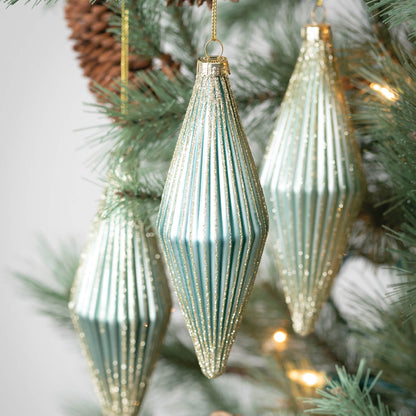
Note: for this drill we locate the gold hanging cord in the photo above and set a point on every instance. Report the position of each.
(214, 29)
(124, 64)
(214, 21)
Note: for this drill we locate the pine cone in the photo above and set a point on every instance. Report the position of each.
(192, 2)
(98, 50)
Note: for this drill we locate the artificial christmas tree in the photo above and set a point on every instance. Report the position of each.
(272, 368)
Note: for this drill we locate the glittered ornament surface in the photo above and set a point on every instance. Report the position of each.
(120, 306)
(213, 220)
(312, 178)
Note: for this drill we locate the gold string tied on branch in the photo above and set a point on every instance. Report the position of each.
(124, 64)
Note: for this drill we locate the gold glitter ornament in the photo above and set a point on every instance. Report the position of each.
(212, 220)
(312, 179)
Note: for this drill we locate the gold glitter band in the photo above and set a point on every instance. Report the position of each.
(316, 32)
(213, 66)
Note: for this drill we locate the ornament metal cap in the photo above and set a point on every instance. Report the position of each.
(213, 66)
(317, 32)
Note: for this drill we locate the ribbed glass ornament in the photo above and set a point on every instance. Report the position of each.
(312, 178)
(213, 220)
(120, 305)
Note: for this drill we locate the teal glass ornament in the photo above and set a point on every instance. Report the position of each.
(312, 178)
(120, 305)
(213, 219)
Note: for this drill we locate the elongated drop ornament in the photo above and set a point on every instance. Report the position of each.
(213, 220)
(312, 178)
(120, 305)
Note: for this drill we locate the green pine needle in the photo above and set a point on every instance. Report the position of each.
(396, 12)
(60, 266)
(143, 138)
(144, 25)
(388, 341)
(349, 396)
(393, 126)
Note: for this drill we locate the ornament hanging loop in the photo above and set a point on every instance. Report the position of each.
(212, 41)
(322, 11)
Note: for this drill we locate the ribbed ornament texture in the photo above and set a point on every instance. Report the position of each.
(313, 180)
(120, 306)
(213, 219)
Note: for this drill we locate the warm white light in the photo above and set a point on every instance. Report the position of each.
(307, 378)
(375, 87)
(280, 336)
(388, 93)
(310, 379)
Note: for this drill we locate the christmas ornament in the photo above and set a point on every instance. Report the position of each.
(120, 305)
(213, 220)
(312, 178)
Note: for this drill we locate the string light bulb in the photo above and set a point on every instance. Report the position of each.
(280, 336)
(308, 378)
(385, 91)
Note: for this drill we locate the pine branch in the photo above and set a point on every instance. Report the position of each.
(249, 12)
(142, 139)
(262, 77)
(346, 397)
(60, 266)
(392, 123)
(144, 25)
(381, 333)
(405, 293)
(397, 12)
(34, 2)
(185, 34)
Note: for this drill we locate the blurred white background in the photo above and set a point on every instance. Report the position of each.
(47, 189)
